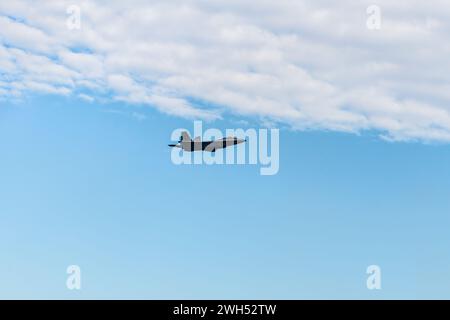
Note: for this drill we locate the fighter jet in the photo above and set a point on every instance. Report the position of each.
(187, 144)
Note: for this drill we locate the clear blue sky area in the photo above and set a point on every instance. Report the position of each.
(80, 184)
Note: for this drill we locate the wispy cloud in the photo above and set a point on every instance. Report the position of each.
(307, 64)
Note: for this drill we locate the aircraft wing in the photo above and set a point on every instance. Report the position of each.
(213, 146)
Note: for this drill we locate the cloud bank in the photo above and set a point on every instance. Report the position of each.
(306, 64)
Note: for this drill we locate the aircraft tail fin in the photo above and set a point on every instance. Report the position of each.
(185, 136)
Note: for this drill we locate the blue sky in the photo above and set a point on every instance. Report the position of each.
(97, 189)
(89, 97)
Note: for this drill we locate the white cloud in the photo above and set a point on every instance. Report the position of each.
(89, 65)
(309, 64)
(86, 97)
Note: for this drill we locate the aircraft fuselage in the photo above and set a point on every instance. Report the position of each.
(211, 146)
